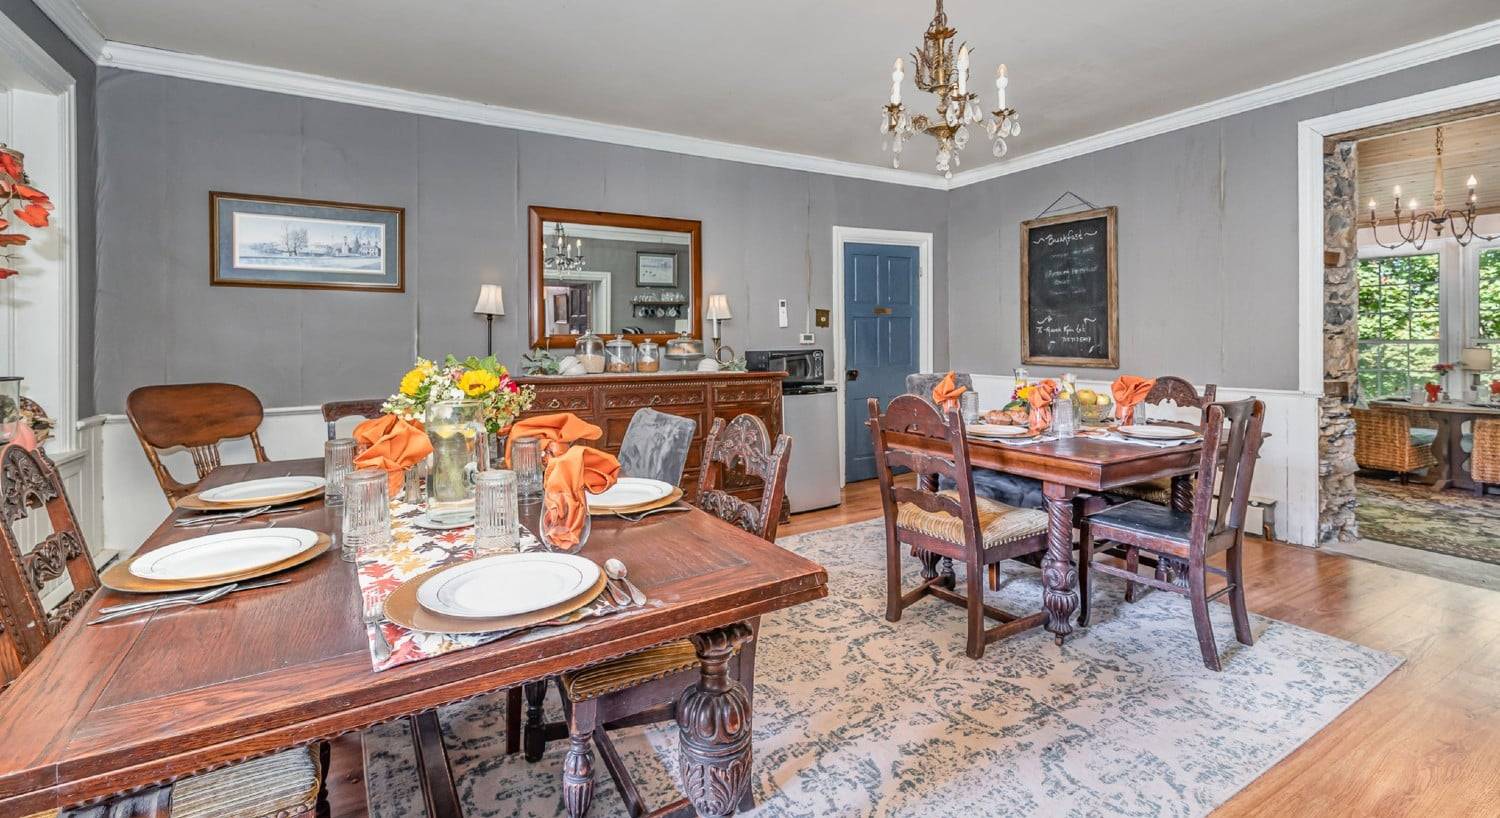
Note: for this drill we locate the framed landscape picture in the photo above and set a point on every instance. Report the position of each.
(655, 269)
(273, 241)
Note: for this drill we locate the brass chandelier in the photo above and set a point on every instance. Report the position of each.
(1419, 223)
(942, 71)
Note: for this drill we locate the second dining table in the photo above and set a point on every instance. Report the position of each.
(118, 711)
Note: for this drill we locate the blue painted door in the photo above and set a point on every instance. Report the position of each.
(880, 340)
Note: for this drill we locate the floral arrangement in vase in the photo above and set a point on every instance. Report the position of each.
(21, 201)
(483, 379)
(1442, 369)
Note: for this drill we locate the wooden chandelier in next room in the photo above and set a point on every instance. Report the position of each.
(1413, 225)
(941, 71)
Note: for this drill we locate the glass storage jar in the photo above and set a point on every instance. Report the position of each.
(648, 356)
(619, 355)
(686, 350)
(589, 350)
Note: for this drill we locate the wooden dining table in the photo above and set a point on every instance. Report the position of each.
(1452, 468)
(1065, 467)
(116, 712)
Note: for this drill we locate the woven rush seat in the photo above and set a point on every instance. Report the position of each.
(628, 671)
(277, 786)
(1157, 491)
(998, 523)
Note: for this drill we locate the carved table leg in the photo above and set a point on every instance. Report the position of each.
(1059, 574)
(713, 720)
(578, 764)
(950, 580)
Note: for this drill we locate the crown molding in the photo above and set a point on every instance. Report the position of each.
(278, 80)
(67, 15)
(1408, 56)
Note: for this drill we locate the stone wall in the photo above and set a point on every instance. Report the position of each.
(1336, 467)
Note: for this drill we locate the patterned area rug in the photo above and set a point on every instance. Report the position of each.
(1448, 522)
(858, 716)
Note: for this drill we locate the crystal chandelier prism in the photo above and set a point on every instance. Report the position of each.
(565, 256)
(944, 71)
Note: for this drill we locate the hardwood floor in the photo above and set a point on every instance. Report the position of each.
(1425, 742)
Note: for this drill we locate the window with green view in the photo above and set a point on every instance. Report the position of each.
(1400, 322)
(1489, 298)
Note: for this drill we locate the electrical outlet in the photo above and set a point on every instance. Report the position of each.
(781, 313)
(806, 339)
(820, 318)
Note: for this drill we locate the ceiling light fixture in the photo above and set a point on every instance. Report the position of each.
(1418, 223)
(941, 71)
(565, 256)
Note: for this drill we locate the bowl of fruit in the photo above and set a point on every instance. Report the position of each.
(1094, 407)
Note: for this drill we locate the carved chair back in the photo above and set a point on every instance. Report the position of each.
(195, 416)
(1170, 388)
(1229, 452)
(744, 445)
(333, 411)
(914, 434)
(29, 481)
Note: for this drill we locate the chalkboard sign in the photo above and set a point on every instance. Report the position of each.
(1068, 291)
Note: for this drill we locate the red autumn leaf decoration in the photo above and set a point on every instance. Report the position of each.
(33, 214)
(4, 223)
(13, 239)
(6, 272)
(10, 165)
(30, 193)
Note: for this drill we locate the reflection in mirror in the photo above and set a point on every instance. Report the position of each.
(612, 274)
(616, 279)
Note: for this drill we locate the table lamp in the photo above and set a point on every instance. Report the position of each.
(1475, 360)
(490, 304)
(718, 310)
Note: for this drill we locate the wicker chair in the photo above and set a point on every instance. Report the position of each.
(1484, 461)
(1387, 441)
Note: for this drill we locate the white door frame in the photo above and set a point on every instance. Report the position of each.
(873, 235)
(40, 306)
(1310, 136)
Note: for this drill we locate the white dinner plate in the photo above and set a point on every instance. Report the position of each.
(1157, 432)
(231, 552)
(997, 430)
(507, 584)
(424, 520)
(630, 491)
(267, 488)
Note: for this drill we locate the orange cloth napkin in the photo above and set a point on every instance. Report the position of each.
(568, 476)
(945, 394)
(24, 437)
(391, 444)
(557, 432)
(1129, 390)
(1040, 399)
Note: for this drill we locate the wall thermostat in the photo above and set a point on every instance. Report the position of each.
(806, 338)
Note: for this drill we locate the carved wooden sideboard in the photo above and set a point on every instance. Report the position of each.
(609, 401)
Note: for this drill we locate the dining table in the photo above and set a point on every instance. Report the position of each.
(1094, 461)
(111, 714)
(1449, 416)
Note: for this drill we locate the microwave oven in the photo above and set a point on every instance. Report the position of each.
(803, 367)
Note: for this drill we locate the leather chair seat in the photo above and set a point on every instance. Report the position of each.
(998, 522)
(1010, 489)
(1143, 518)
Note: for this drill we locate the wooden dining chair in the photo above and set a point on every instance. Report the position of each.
(642, 688)
(952, 523)
(334, 411)
(1168, 389)
(195, 416)
(1212, 527)
(284, 784)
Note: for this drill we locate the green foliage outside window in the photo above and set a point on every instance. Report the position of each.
(1400, 321)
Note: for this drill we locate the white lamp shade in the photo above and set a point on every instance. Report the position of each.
(718, 307)
(491, 300)
(1477, 359)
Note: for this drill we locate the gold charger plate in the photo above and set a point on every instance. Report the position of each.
(117, 577)
(402, 608)
(638, 507)
(193, 502)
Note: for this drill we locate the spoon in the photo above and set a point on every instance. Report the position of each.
(615, 570)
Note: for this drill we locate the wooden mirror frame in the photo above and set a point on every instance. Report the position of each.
(537, 215)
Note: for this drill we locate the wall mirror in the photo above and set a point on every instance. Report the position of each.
(614, 274)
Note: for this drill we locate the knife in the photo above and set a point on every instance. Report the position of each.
(177, 599)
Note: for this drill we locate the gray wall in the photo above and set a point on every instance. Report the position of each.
(1207, 239)
(165, 143)
(42, 31)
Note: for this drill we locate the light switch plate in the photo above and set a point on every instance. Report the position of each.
(806, 339)
(781, 312)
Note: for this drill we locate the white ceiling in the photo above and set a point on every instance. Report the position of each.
(794, 75)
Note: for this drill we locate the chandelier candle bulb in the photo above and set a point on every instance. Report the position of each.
(1001, 80)
(963, 71)
(897, 75)
(1473, 182)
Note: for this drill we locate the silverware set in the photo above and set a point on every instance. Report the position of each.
(231, 517)
(113, 612)
(635, 518)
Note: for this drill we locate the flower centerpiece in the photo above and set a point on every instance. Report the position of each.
(472, 379)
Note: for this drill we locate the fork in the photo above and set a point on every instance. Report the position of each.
(378, 644)
(635, 518)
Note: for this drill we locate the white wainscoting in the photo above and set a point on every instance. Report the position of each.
(1286, 472)
(133, 503)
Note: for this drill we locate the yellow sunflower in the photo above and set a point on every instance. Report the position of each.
(478, 382)
(412, 381)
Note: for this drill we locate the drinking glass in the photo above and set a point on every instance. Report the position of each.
(367, 511)
(526, 461)
(968, 404)
(547, 534)
(497, 524)
(338, 460)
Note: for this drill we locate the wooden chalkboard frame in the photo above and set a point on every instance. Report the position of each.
(1113, 361)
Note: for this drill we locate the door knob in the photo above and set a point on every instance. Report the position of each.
(852, 375)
